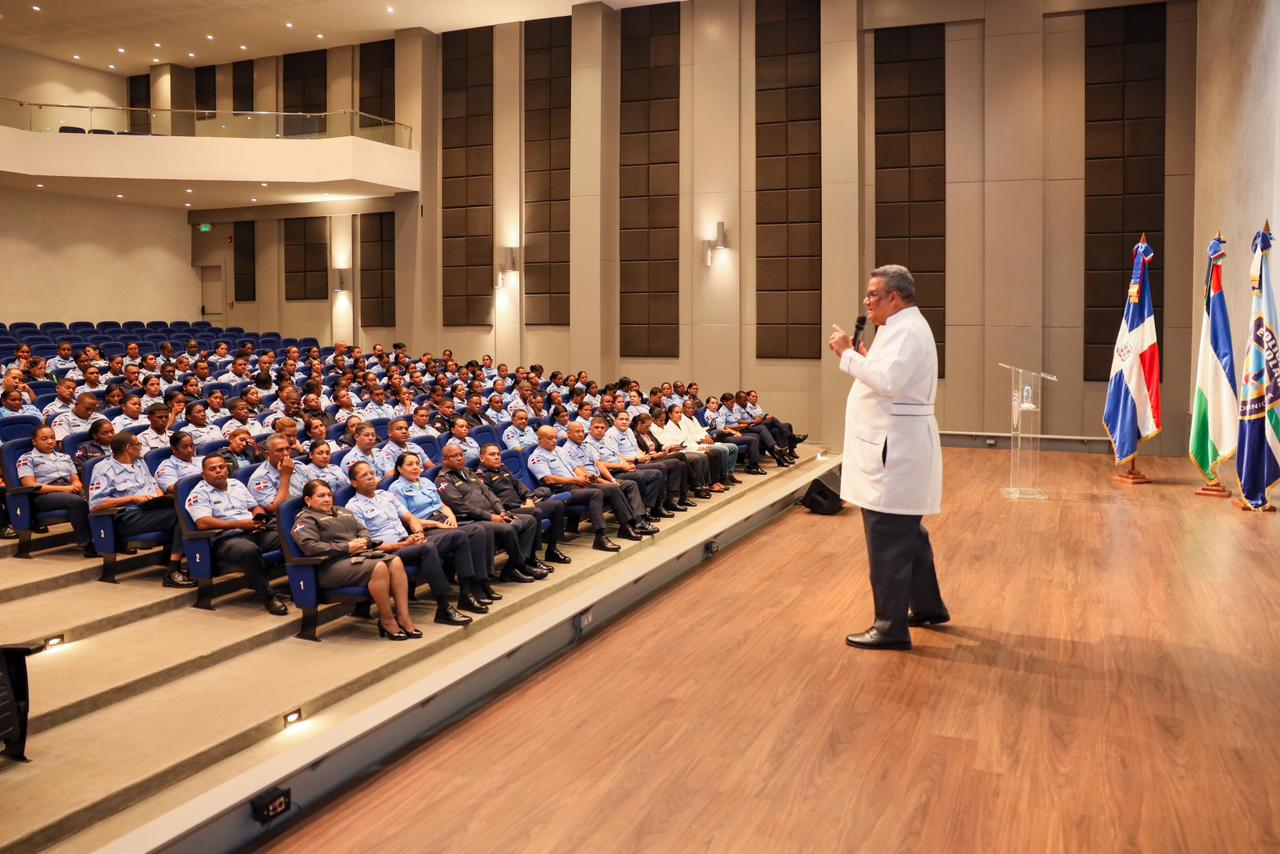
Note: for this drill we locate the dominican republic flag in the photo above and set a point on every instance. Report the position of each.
(1132, 414)
(1258, 457)
(1213, 413)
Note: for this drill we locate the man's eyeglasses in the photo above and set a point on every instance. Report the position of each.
(872, 296)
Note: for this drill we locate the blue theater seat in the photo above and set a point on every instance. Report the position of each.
(22, 513)
(102, 526)
(303, 586)
(485, 435)
(197, 545)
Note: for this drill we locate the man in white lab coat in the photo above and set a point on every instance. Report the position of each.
(892, 465)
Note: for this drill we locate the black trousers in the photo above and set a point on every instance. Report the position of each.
(698, 467)
(674, 472)
(748, 447)
(467, 551)
(517, 538)
(902, 571)
(594, 499)
(132, 522)
(426, 561)
(766, 438)
(652, 484)
(552, 509)
(781, 430)
(243, 551)
(77, 511)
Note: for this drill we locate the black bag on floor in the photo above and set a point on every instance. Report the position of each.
(822, 499)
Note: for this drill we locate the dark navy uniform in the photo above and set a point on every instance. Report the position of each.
(474, 503)
(512, 492)
(469, 552)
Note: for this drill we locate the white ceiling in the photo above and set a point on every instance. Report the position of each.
(96, 29)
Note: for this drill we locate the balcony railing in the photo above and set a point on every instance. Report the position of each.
(69, 118)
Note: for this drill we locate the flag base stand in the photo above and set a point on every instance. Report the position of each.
(1132, 476)
(1214, 490)
(1245, 505)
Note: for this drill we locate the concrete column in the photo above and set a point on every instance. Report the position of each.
(266, 90)
(1013, 199)
(843, 150)
(223, 101)
(508, 147)
(418, 214)
(269, 271)
(173, 87)
(711, 304)
(593, 190)
(340, 74)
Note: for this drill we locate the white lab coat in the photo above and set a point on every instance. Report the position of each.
(892, 454)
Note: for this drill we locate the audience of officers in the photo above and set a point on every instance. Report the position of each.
(592, 449)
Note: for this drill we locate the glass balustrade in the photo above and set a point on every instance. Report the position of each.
(60, 118)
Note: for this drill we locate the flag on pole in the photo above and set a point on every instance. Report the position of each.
(1258, 456)
(1132, 413)
(1213, 413)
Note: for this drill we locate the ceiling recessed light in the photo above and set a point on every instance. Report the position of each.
(319, 35)
(154, 59)
(264, 183)
(244, 47)
(35, 8)
(39, 186)
(187, 204)
(289, 24)
(209, 37)
(119, 50)
(75, 56)
(119, 195)
(110, 66)
(155, 44)
(253, 200)
(390, 9)
(192, 55)
(188, 189)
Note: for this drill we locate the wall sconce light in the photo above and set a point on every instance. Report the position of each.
(508, 267)
(343, 275)
(721, 242)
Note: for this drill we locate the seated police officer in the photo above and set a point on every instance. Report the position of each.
(78, 419)
(53, 475)
(224, 504)
(617, 444)
(123, 484)
(366, 450)
(460, 437)
(198, 424)
(181, 462)
(279, 478)
(519, 435)
(157, 433)
(473, 503)
(417, 540)
(519, 499)
(622, 497)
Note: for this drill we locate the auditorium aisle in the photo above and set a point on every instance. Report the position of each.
(1108, 683)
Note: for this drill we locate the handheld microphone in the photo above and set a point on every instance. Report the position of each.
(858, 329)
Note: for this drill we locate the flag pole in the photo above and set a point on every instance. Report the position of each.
(1133, 477)
(1244, 503)
(1215, 489)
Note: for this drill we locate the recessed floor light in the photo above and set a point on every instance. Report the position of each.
(264, 183)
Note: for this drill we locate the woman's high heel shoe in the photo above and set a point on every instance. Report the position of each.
(395, 636)
(410, 633)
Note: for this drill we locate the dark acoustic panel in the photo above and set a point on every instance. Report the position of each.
(649, 185)
(377, 82)
(547, 67)
(306, 258)
(245, 262)
(242, 86)
(467, 178)
(910, 158)
(305, 92)
(1124, 77)
(140, 104)
(377, 233)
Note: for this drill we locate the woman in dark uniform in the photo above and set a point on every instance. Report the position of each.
(333, 533)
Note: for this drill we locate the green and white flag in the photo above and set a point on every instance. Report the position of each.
(1214, 413)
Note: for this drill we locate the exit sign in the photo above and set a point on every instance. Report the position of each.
(205, 226)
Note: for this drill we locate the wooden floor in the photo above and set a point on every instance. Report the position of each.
(1110, 682)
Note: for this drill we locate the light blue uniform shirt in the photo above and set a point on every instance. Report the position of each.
(381, 461)
(200, 435)
(46, 468)
(114, 479)
(421, 498)
(543, 462)
(516, 404)
(500, 416)
(470, 447)
(512, 437)
(172, 470)
(717, 420)
(600, 449)
(68, 422)
(621, 442)
(377, 410)
(265, 483)
(393, 451)
(754, 410)
(577, 455)
(330, 474)
(53, 410)
(380, 514)
(27, 409)
(234, 504)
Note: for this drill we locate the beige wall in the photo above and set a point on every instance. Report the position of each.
(30, 77)
(67, 258)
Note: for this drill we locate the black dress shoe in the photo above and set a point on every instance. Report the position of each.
(533, 572)
(534, 563)
(179, 578)
(450, 616)
(557, 556)
(672, 506)
(755, 470)
(872, 639)
(397, 635)
(489, 593)
(661, 513)
(89, 551)
(689, 502)
(625, 532)
(702, 493)
(604, 544)
(482, 598)
(734, 480)
(645, 528)
(8, 533)
(39, 529)
(800, 438)
(275, 607)
(468, 602)
(914, 619)
(510, 574)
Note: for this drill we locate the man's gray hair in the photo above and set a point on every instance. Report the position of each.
(896, 278)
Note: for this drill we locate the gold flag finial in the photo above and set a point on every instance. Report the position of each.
(1143, 238)
(1218, 236)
